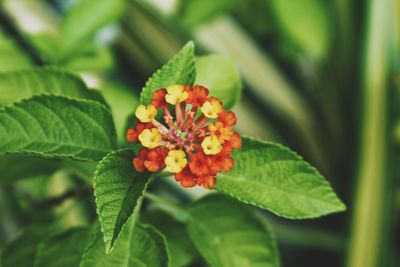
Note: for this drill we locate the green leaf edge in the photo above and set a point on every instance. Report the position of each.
(60, 156)
(138, 202)
(341, 206)
(188, 46)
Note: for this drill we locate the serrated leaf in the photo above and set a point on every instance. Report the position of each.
(56, 126)
(139, 245)
(228, 234)
(272, 177)
(307, 24)
(181, 69)
(118, 189)
(220, 76)
(23, 84)
(78, 26)
(63, 249)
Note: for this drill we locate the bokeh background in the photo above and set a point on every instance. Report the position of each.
(321, 77)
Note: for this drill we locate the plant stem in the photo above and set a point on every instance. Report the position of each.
(368, 238)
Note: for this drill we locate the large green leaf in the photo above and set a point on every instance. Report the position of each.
(119, 190)
(85, 19)
(63, 249)
(219, 74)
(307, 24)
(139, 245)
(56, 126)
(272, 177)
(18, 85)
(228, 234)
(181, 69)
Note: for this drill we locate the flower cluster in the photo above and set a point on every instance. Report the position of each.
(195, 141)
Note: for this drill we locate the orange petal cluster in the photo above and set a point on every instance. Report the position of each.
(197, 137)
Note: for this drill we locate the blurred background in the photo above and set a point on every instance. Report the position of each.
(322, 77)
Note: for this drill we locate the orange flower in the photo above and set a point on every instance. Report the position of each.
(150, 159)
(234, 143)
(159, 98)
(207, 181)
(195, 147)
(133, 134)
(228, 118)
(186, 177)
(197, 95)
(199, 164)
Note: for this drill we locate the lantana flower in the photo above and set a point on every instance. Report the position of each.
(195, 139)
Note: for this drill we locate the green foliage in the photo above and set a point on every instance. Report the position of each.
(18, 85)
(12, 58)
(15, 167)
(56, 126)
(219, 74)
(181, 69)
(194, 13)
(228, 234)
(78, 26)
(272, 177)
(181, 249)
(22, 251)
(306, 24)
(118, 189)
(139, 245)
(63, 249)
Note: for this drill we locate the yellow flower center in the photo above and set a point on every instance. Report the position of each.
(175, 161)
(146, 113)
(176, 94)
(211, 145)
(150, 138)
(211, 109)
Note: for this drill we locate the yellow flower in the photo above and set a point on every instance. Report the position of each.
(176, 94)
(146, 113)
(175, 161)
(211, 145)
(150, 138)
(211, 109)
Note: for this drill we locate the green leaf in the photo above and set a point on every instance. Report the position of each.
(56, 126)
(228, 234)
(118, 189)
(139, 245)
(63, 249)
(219, 74)
(307, 24)
(15, 167)
(181, 69)
(18, 85)
(272, 177)
(78, 25)
(21, 251)
(182, 251)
